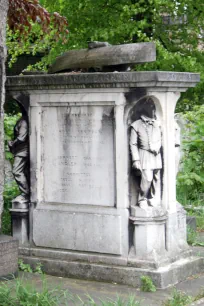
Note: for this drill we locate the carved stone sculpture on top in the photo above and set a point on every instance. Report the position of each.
(103, 57)
(145, 146)
(19, 147)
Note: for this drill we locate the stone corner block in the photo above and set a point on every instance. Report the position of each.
(8, 256)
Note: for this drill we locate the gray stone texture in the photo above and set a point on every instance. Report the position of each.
(20, 225)
(199, 302)
(105, 56)
(181, 80)
(191, 222)
(162, 277)
(8, 256)
(83, 156)
(103, 231)
(3, 18)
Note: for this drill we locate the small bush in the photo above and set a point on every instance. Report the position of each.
(27, 268)
(178, 298)
(147, 284)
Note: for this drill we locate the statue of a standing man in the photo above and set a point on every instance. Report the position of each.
(145, 146)
(19, 147)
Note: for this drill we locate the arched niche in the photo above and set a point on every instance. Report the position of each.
(133, 112)
(18, 105)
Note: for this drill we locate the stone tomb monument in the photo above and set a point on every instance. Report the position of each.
(103, 174)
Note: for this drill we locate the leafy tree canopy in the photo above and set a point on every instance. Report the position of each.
(175, 26)
(32, 28)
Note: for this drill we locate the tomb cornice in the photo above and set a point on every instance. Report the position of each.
(165, 81)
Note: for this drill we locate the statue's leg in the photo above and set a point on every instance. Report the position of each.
(145, 185)
(153, 201)
(19, 172)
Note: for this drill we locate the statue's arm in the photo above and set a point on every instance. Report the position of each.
(22, 134)
(134, 149)
(134, 145)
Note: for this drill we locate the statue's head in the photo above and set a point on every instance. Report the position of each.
(149, 109)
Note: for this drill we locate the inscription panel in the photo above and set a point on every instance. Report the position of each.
(77, 231)
(78, 155)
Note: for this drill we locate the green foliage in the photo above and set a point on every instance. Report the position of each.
(200, 221)
(200, 295)
(131, 301)
(147, 284)
(24, 267)
(178, 298)
(38, 268)
(193, 237)
(199, 214)
(18, 293)
(27, 268)
(10, 192)
(190, 180)
(10, 189)
(9, 123)
(176, 27)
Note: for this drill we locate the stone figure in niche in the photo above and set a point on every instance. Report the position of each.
(19, 147)
(145, 146)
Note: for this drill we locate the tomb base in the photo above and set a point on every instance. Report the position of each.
(8, 257)
(118, 270)
(19, 219)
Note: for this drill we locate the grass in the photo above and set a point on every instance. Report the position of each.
(179, 298)
(118, 302)
(193, 238)
(21, 293)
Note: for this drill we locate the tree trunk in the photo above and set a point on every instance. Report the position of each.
(3, 17)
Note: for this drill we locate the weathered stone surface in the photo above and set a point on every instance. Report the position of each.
(199, 302)
(77, 154)
(149, 238)
(191, 222)
(77, 231)
(3, 16)
(69, 255)
(75, 224)
(8, 256)
(105, 56)
(20, 224)
(79, 168)
(105, 80)
(162, 277)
